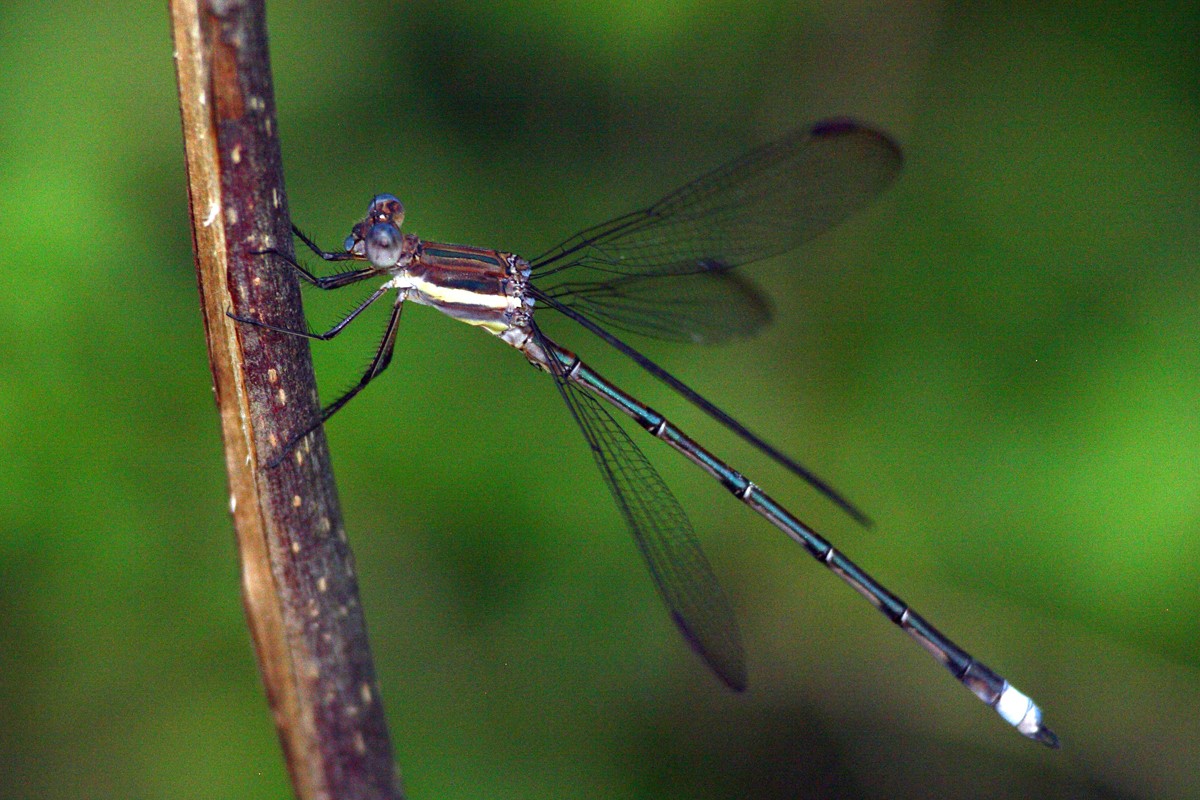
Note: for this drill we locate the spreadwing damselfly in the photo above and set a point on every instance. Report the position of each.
(666, 271)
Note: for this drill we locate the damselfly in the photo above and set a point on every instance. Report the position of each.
(665, 271)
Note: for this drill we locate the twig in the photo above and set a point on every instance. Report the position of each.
(298, 581)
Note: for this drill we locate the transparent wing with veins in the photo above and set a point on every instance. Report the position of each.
(765, 203)
(664, 536)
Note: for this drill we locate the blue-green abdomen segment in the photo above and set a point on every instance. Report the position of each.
(1013, 706)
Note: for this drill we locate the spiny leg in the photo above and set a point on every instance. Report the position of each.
(336, 281)
(329, 281)
(327, 255)
(383, 357)
(324, 337)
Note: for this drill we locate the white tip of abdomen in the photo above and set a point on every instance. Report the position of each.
(1023, 714)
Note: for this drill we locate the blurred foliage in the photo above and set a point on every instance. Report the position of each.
(999, 361)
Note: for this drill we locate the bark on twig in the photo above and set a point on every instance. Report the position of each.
(299, 586)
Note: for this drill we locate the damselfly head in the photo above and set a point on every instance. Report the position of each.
(377, 238)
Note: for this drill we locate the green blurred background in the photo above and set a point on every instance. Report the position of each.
(999, 361)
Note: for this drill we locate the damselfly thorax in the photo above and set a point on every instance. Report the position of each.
(481, 287)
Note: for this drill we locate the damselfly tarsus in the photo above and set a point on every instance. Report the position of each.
(665, 272)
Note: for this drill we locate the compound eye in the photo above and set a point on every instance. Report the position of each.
(384, 245)
(386, 208)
